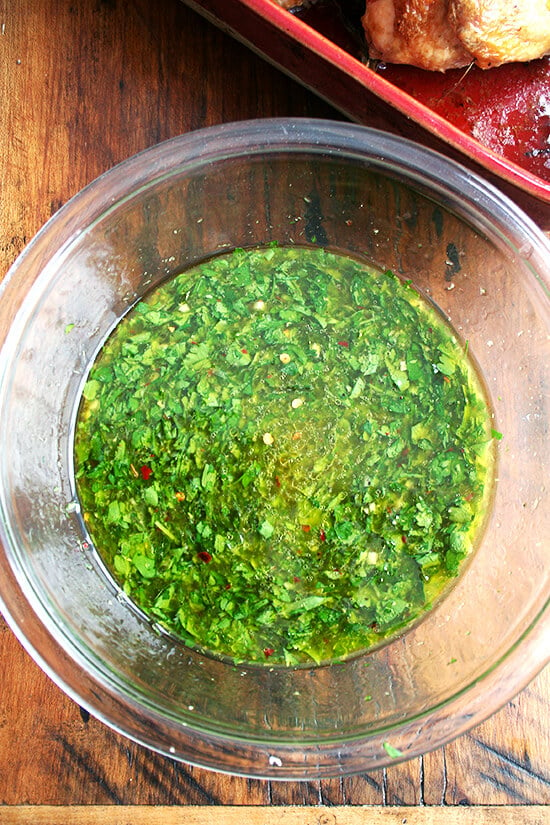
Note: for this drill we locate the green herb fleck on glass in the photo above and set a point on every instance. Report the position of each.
(393, 753)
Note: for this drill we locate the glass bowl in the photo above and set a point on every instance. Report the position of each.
(358, 191)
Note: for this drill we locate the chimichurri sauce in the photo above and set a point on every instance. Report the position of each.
(283, 456)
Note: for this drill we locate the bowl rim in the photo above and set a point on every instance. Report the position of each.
(452, 184)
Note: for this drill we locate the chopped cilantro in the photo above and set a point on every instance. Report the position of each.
(283, 456)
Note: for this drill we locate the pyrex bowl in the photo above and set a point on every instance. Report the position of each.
(358, 191)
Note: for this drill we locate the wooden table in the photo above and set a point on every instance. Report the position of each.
(84, 85)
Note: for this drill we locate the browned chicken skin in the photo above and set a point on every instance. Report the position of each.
(446, 34)
(418, 32)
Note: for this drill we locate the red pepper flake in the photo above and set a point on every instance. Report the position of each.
(268, 651)
(306, 528)
(146, 472)
(193, 342)
(343, 343)
(277, 481)
(244, 351)
(180, 496)
(404, 539)
(322, 535)
(468, 497)
(204, 556)
(446, 379)
(296, 579)
(227, 586)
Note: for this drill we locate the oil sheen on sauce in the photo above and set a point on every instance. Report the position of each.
(283, 456)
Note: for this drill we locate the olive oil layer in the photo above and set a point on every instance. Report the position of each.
(283, 456)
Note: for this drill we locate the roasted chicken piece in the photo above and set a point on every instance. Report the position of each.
(447, 34)
(497, 31)
(418, 32)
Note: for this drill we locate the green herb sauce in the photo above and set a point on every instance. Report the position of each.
(283, 456)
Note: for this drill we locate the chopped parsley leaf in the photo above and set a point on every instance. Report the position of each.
(282, 450)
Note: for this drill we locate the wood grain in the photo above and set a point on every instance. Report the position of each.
(84, 85)
(307, 815)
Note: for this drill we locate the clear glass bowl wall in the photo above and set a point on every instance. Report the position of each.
(360, 192)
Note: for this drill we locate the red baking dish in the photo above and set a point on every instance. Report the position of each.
(496, 122)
